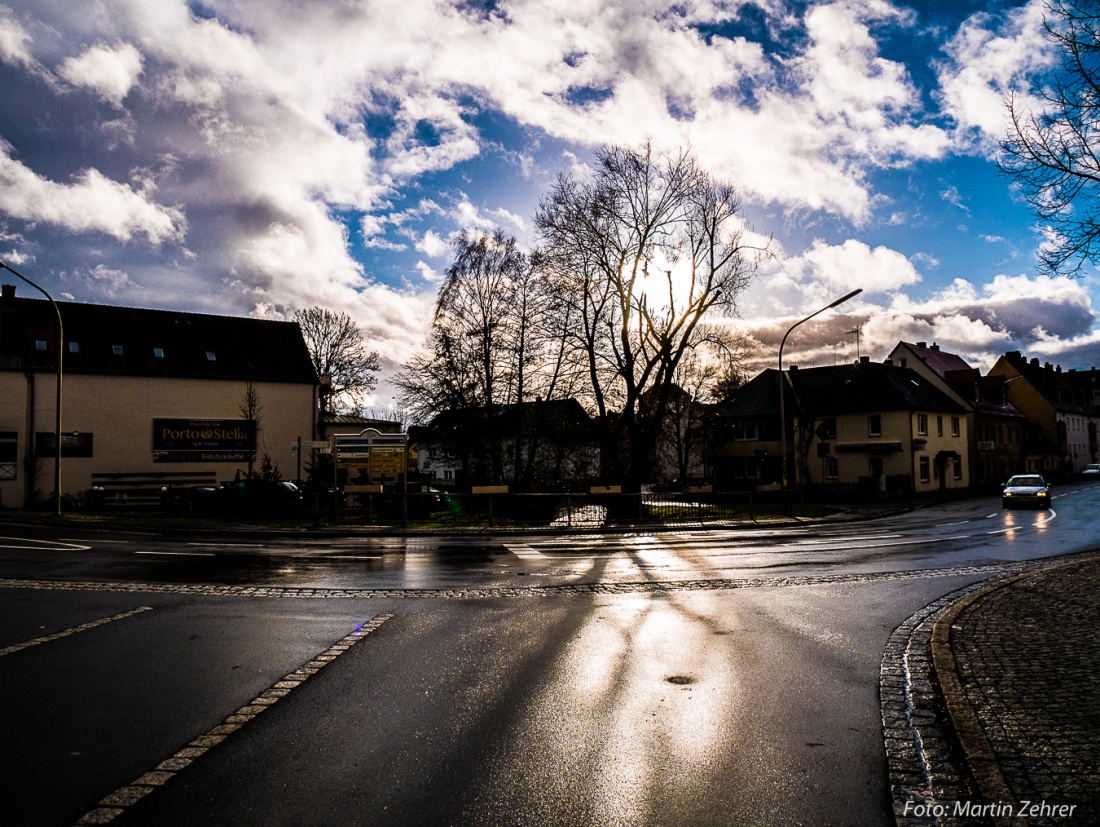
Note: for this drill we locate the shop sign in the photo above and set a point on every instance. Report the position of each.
(203, 440)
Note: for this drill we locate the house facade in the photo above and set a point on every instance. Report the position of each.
(534, 446)
(150, 399)
(1000, 434)
(881, 427)
(1064, 439)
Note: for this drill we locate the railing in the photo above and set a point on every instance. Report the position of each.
(568, 511)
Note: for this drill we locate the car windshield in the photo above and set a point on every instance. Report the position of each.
(1015, 481)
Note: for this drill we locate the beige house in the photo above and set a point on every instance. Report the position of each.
(883, 428)
(151, 399)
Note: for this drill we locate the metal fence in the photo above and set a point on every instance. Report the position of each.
(571, 511)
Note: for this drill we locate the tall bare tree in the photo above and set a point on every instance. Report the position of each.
(643, 251)
(495, 341)
(338, 351)
(1054, 153)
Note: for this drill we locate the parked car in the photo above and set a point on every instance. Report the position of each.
(252, 497)
(1026, 489)
(1091, 471)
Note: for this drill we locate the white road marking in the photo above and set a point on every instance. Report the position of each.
(179, 553)
(525, 552)
(83, 627)
(116, 803)
(49, 545)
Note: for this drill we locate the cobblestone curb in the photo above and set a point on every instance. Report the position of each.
(927, 773)
(1018, 662)
(489, 592)
(937, 752)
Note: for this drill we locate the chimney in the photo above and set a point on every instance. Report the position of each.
(1035, 361)
(792, 369)
(8, 292)
(935, 346)
(922, 344)
(865, 360)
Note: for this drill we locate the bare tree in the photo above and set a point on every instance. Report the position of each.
(251, 409)
(1053, 153)
(643, 251)
(338, 351)
(495, 342)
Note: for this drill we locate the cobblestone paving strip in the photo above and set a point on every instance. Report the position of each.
(115, 804)
(927, 775)
(932, 776)
(83, 627)
(1026, 656)
(645, 587)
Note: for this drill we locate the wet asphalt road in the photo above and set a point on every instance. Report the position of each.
(747, 694)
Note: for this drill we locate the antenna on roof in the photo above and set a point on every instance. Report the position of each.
(856, 331)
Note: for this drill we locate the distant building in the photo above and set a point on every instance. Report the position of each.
(1000, 434)
(882, 427)
(535, 446)
(1059, 406)
(151, 399)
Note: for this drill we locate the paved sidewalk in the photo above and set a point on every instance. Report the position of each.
(1024, 694)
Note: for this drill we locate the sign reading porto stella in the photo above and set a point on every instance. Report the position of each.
(203, 440)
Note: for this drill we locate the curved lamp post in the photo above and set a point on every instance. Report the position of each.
(782, 387)
(57, 420)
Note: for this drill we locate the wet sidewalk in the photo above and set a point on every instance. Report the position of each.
(1019, 666)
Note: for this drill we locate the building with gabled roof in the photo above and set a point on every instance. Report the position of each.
(151, 398)
(1059, 406)
(1001, 438)
(876, 425)
(549, 445)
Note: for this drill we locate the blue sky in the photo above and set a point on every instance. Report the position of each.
(256, 156)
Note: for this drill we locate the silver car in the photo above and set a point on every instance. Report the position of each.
(1026, 489)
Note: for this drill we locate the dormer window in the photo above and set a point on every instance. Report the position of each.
(116, 350)
(158, 353)
(211, 356)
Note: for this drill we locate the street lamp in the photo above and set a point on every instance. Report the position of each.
(57, 420)
(782, 388)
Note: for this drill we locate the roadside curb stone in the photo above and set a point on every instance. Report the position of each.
(986, 698)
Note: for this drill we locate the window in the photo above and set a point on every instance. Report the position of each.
(939, 426)
(158, 353)
(744, 431)
(925, 469)
(116, 350)
(957, 465)
(74, 347)
(39, 344)
(211, 356)
(922, 424)
(8, 455)
(955, 426)
(874, 425)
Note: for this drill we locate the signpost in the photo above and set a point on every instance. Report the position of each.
(375, 458)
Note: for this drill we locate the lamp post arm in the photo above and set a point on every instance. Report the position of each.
(60, 356)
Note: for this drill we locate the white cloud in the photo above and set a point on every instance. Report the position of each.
(109, 71)
(433, 245)
(854, 264)
(92, 202)
(14, 41)
(989, 57)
